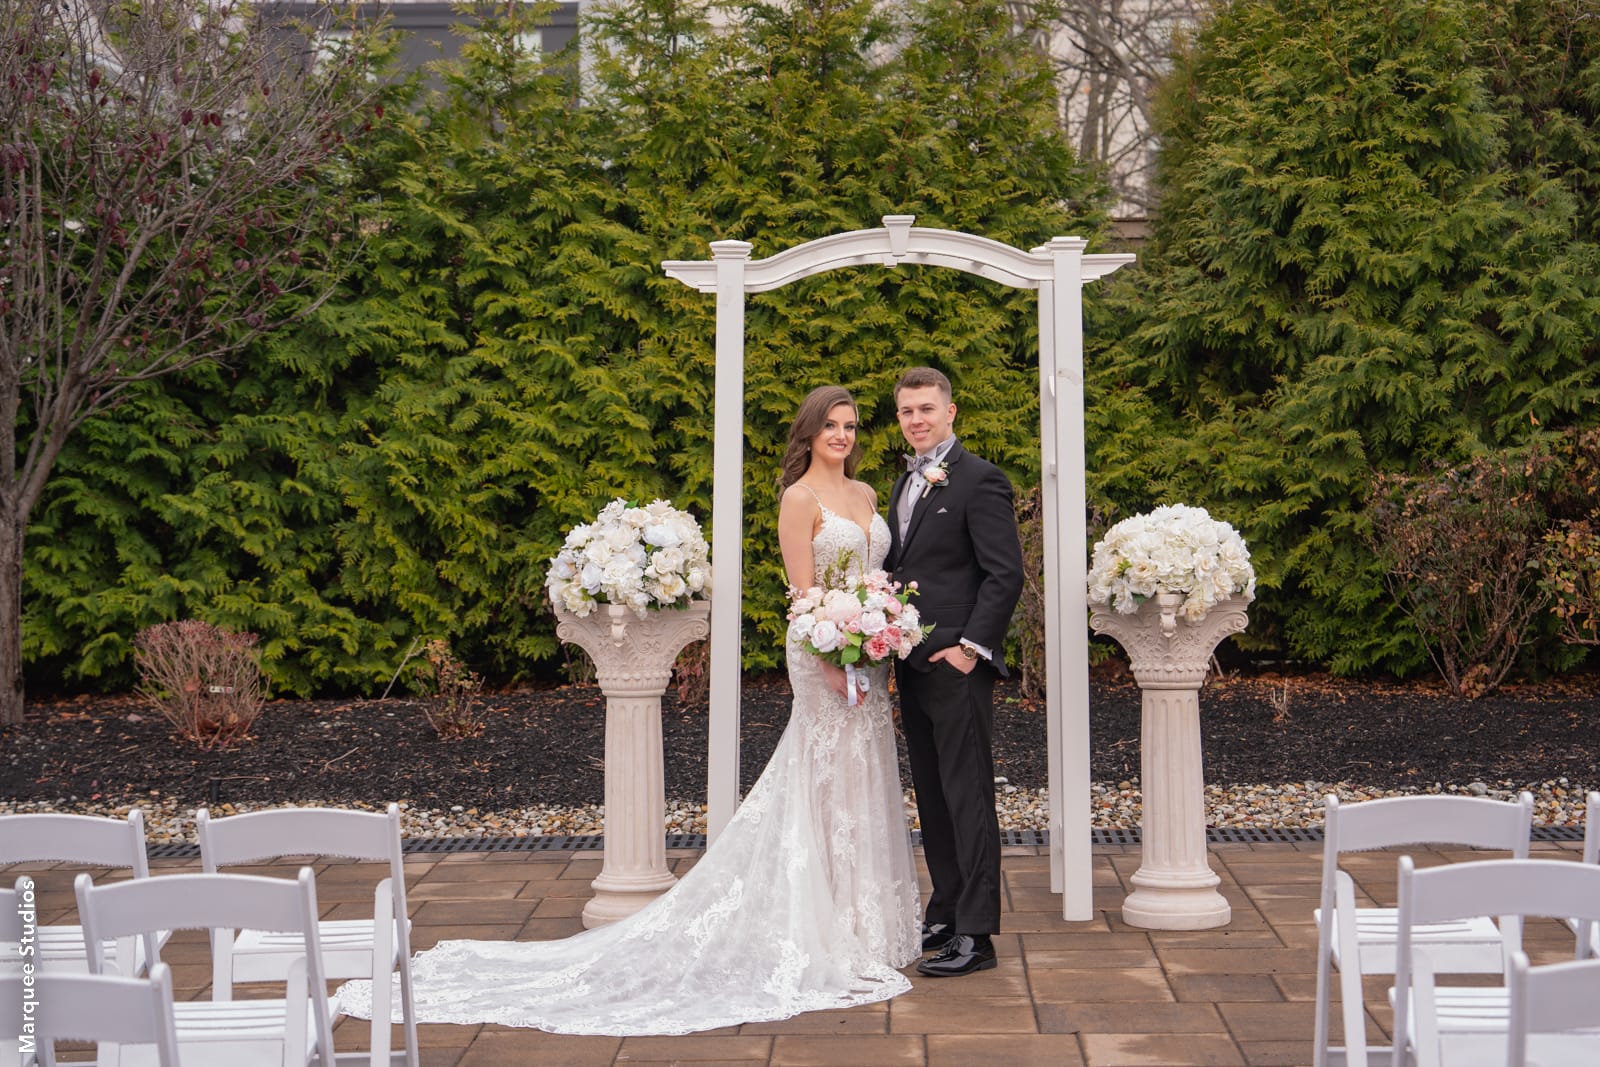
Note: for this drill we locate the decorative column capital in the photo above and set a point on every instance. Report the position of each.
(1167, 650)
(634, 656)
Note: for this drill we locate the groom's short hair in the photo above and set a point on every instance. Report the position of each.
(921, 378)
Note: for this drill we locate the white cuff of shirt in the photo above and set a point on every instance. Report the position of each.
(984, 652)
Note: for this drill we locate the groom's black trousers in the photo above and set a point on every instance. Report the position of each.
(948, 720)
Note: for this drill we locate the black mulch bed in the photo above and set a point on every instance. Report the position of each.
(545, 746)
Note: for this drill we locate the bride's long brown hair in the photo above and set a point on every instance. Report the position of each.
(808, 422)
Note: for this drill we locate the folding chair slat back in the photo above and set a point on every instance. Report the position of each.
(100, 1008)
(1361, 940)
(88, 840)
(295, 1029)
(352, 948)
(1547, 1004)
(1521, 888)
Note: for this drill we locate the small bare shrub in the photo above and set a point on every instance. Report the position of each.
(449, 693)
(577, 666)
(1462, 548)
(1280, 701)
(204, 680)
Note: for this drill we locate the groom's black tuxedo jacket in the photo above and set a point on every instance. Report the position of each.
(962, 550)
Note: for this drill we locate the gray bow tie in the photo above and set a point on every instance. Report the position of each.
(918, 464)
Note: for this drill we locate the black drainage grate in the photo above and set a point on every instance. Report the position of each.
(1216, 835)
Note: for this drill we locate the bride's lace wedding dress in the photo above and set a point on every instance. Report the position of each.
(807, 900)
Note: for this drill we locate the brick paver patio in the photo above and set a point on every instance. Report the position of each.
(1097, 993)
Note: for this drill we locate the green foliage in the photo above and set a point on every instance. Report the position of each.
(509, 355)
(1368, 259)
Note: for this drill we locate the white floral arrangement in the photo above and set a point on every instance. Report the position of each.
(1173, 549)
(638, 557)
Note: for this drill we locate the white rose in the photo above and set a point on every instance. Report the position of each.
(673, 587)
(873, 622)
(661, 535)
(826, 636)
(800, 629)
(574, 600)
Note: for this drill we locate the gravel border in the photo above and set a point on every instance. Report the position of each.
(1113, 805)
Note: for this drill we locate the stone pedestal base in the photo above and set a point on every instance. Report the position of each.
(1174, 887)
(633, 660)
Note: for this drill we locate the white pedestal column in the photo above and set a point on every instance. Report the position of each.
(1174, 888)
(633, 660)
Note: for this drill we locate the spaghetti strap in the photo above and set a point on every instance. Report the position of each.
(814, 495)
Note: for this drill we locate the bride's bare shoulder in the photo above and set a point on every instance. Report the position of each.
(871, 493)
(799, 497)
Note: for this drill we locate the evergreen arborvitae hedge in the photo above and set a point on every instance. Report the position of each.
(1376, 250)
(510, 356)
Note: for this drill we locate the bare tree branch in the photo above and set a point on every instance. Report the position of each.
(170, 188)
(1109, 57)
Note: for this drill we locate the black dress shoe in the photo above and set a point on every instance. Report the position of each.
(964, 954)
(936, 936)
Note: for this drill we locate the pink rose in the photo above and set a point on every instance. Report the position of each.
(877, 648)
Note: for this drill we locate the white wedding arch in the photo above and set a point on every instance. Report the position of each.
(1057, 270)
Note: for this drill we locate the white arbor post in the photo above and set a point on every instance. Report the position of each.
(727, 534)
(1064, 505)
(1058, 270)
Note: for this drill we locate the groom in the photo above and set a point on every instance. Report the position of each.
(953, 532)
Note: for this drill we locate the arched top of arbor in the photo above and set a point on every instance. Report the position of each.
(896, 242)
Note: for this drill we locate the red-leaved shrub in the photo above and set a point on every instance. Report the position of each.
(204, 680)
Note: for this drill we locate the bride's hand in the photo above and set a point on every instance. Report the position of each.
(835, 677)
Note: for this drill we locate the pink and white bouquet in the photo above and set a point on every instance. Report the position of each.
(861, 622)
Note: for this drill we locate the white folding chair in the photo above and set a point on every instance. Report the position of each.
(91, 1007)
(352, 948)
(80, 839)
(296, 1029)
(1468, 1025)
(1589, 933)
(1361, 941)
(1547, 1004)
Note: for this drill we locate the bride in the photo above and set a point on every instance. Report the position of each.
(807, 900)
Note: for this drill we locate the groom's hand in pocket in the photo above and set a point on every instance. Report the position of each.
(955, 658)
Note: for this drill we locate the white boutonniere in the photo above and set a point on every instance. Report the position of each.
(936, 474)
